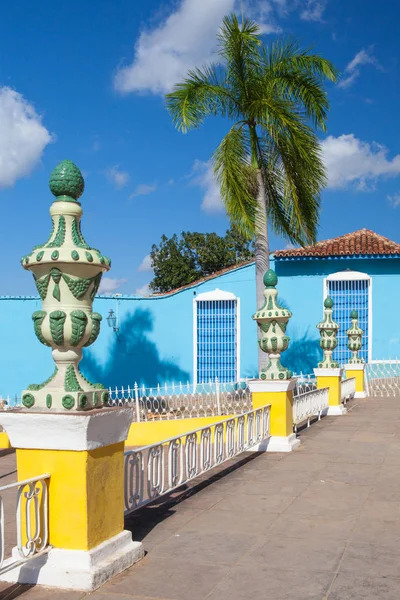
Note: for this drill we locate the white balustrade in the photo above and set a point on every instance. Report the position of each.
(156, 470)
(383, 378)
(348, 389)
(309, 404)
(183, 400)
(31, 520)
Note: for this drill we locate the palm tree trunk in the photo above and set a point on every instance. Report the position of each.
(261, 253)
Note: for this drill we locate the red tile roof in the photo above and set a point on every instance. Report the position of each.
(362, 242)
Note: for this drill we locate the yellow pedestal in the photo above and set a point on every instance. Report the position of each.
(279, 394)
(84, 456)
(358, 372)
(332, 379)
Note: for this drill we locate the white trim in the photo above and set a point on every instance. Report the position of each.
(359, 367)
(216, 294)
(370, 307)
(237, 339)
(77, 569)
(335, 411)
(354, 276)
(277, 443)
(348, 276)
(328, 372)
(66, 431)
(194, 342)
(270, 385)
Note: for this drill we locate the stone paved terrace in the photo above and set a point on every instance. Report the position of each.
(320, 523)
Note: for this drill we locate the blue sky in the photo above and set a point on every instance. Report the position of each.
(85, 80)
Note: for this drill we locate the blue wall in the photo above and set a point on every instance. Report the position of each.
(155, 341)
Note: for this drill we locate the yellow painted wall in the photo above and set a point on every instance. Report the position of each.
(281, 417)
(4, 441)
(359, 377)
(151, 432)
(86, 504)
(335, 388)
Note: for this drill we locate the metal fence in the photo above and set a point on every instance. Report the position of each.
(308, 405)
(348, 389)
(304, 383)
(183, 401)
(383, 378)
(31, 520)
(156, 470)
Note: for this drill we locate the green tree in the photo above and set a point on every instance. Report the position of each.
(269, 165)
(179, 261)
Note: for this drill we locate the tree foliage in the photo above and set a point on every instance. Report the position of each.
(181, 260)
(275, 98)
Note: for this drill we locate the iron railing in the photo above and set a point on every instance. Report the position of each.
(383, 378)
(309, 404)
(31, 520)
(183, 400)
(156, 470)
(348, 389)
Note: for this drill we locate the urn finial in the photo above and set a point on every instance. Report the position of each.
(328, 330)
(272, 320)
(66, 182)
(67, 272)
(354, 343)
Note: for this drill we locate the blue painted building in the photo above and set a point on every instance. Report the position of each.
(205, 329)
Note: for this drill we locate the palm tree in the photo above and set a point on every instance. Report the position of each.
(268, 165)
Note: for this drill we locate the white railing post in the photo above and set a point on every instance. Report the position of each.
(135, 387)
(218, 396)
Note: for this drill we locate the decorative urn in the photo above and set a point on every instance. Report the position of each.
(67, 273)
(328, 330)
(354, 343)
(272, 320)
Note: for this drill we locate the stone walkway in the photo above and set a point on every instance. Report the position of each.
(320, 523)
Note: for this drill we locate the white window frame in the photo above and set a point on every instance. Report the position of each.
(216, 294)
(349, 275)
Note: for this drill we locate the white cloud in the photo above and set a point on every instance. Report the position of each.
(143, 189)
(203, 176)
(187, 37)
(143, 291)
(117, 177)
(109, 285)
(146, 265)
(394, 199)
(313, 10)
(363, 57)
(23, 137)
(350, 161)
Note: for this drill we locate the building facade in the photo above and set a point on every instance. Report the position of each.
(205, 330)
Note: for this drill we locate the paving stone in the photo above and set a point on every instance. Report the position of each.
(296, 526)
(304, 554)
(158, 577)
(220, 521)
(262, 582)
(265, 503)
(349, 587)
(205, 547)
(371, 560)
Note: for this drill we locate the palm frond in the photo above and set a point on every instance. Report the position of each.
(202, 93)
(236, 179)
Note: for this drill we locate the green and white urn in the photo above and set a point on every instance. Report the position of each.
(354, 342)
(328, 329)
(272, 320)
(67, 273)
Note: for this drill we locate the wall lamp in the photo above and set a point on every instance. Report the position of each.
(112, 320)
